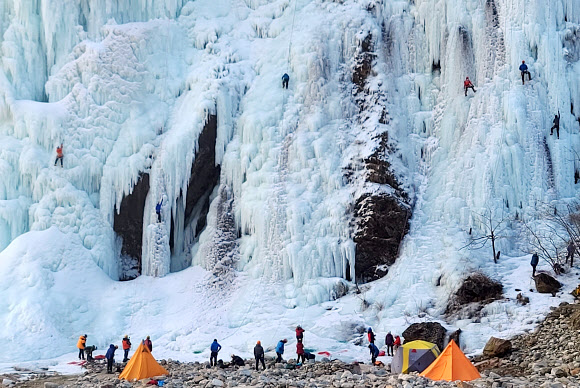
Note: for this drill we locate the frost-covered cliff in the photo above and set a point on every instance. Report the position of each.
(273, 201)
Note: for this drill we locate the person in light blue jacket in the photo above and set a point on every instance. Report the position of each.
(280, 350)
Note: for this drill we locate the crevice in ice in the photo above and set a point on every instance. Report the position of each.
(128, 220)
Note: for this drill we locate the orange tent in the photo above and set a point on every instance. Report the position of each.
(451, 365)
(142, 365)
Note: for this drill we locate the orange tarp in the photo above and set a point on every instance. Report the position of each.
(451, 365)
(142, 365)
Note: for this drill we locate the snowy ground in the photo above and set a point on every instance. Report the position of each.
(129, 89)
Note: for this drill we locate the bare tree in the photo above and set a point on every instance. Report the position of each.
(493, 228)
(546, 241)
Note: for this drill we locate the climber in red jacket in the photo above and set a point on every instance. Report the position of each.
(59, 155)
(468, 85)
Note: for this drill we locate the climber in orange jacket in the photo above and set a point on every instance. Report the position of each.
(59, 155)
(81, 345)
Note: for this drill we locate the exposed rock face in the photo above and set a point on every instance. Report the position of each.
(497, 347)
(128, 223)
(381, 216)
(546, 284)
(476, 287)
(426, 331)
(383, 222)
(204, 177)
(575, 320)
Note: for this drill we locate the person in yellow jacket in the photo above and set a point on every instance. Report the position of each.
(81, 345)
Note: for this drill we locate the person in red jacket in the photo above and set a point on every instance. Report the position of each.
(126, 347)
(300, 352)
(149, 344)
(299, 333)
(371, 335)
(59, 155)
(397, 342)
(468, 85)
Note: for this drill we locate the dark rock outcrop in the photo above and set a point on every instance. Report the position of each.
(476, 287)
(204, 176)
(545, 284)
(497, 347)
(426, 331)
(128, 222)
(382, 224)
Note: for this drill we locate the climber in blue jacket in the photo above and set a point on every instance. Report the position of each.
(158, 210)
(374, 352)
(524, 70)
(215, 348)
(285, 80)
(280, 350)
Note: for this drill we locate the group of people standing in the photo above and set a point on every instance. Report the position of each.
(110, 355)
(391, 342)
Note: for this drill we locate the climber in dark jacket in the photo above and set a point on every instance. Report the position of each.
(534, 263)
(158, 210)
(259, 354)
(237, 360)
(389, 341)
(215, 348)
(524, 71)
(110, 356)
(556, 125)
(285, 80)
(374, 353)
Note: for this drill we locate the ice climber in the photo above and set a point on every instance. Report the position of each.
(237, 360)
(280, 350)
(571, 249)
(59, 155)
(110, 356)
(81, 346)
(299, 333)
(556, 125)
(371, 335)
(259, 354)
(126, 347)
(158, 210)
(468, 85)
(285, 80)
(374, 353)
(300, 352)
(149, 344)
(534, 263)
(390, 342)
(524, 71)
(215, 349)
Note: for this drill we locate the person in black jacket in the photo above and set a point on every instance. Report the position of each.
(556, 125)
(237, 360)
(390, 342)
(259, 355)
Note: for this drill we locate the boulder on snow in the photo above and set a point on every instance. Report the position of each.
(546, 284)
(477, 287)
(497, 347)
(426, 331)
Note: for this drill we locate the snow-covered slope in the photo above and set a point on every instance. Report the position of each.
(130, 91)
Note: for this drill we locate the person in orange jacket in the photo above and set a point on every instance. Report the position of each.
(81, 346)
(59, 155)
(126, 347)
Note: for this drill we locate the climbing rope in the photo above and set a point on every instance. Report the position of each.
(291, 35)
